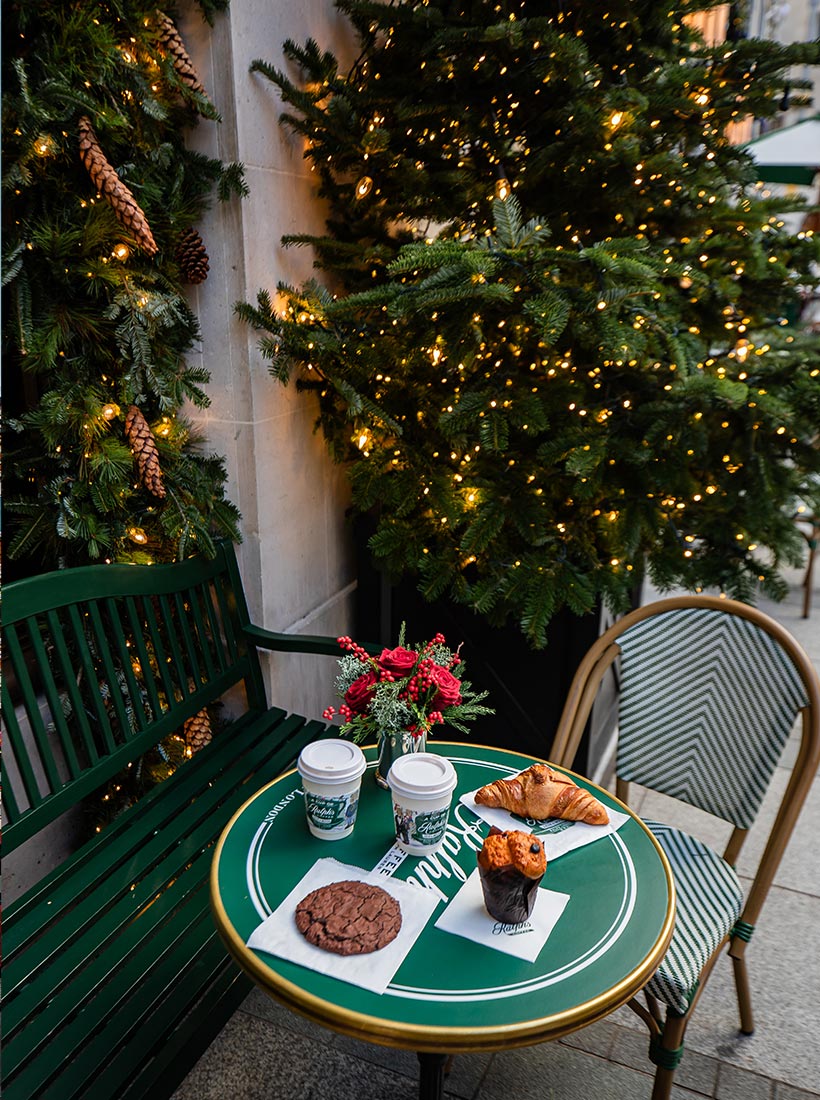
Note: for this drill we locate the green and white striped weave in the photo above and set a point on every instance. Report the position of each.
(707, 703)
(709, 901)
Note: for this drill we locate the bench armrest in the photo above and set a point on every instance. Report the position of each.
(299, 643)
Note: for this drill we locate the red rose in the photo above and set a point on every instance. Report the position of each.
(398, 660)
(360, 692)
(448, 693)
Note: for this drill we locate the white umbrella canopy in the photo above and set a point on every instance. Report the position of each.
(790, 155)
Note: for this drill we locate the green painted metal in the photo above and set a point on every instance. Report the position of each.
(448, 982)
(115, 978)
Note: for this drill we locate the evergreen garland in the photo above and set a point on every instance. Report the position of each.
(556, 351)
(99, 189)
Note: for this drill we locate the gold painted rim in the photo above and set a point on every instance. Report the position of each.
(454, 1040)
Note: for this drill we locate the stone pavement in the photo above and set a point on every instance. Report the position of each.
(267, 1053)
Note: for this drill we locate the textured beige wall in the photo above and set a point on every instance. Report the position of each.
(296, 559)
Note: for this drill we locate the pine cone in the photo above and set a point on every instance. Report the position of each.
(192, 257)
(197, 730)
(172, 44)
(144, 446)
(111, 187)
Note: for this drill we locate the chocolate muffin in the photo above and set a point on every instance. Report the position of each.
(511, 865)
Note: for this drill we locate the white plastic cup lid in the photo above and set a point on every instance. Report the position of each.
(331, 761)
(422, 775)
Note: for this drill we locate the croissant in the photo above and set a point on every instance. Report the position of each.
(539, 792)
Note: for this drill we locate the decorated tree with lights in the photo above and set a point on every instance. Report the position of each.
(543, 340)
(101, 201)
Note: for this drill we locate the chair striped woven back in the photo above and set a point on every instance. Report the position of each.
(707, 704)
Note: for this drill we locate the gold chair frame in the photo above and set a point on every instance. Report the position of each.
(667, 1034)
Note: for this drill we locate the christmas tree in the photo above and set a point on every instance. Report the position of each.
(101, 198)
(543, 342)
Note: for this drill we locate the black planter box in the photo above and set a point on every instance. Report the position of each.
(527, 687)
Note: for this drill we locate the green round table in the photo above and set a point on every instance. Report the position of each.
(450, 994)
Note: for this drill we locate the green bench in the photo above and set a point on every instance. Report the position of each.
(115, 980)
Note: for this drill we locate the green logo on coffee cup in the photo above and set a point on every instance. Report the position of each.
(327, 813)
(429, 828)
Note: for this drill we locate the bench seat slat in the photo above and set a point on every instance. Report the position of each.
(83, 1040)
(154, 810)
(141, 873)
(115, 977)
(63, 1006)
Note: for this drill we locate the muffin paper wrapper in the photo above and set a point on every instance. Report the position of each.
(466, 916)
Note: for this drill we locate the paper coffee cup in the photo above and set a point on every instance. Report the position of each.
(422, 786)
(331, 773)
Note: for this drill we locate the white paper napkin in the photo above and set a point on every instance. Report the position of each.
(558, 837)
(278, 934)
(467, 916)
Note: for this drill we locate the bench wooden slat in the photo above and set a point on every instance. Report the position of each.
(63, 945)
(183, 614)
(151, 1025)
(161, 661)
(139, 715)
(202, 633)
(155, 810)
(113, 673)
(68, 685)
(32, 710)
(137, 627)
(83, 634)
(83, 1041)
(165, 1071)
(83, 700)
(115, 977)
(63, 1006)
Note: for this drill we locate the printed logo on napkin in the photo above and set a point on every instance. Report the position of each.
(466, 916)
(557, 836)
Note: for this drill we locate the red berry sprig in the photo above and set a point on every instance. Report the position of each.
(352, 647)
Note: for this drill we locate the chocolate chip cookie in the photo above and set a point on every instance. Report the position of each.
(349, 918)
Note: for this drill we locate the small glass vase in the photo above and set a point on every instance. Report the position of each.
(395, 744)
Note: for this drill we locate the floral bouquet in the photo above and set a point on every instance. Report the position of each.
(404, 692)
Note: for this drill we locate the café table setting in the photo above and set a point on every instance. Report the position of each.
(449, 912)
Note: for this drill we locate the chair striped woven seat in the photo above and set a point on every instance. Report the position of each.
(709, 901)
(710, 690)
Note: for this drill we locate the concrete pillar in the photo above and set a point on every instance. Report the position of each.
(296, 558)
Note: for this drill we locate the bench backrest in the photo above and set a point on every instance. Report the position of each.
(102, 662)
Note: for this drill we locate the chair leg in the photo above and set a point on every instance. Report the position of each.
(744, 996)
(666, 1052)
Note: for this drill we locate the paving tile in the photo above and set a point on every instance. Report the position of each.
(696, 1072)
(554, 1071)
(252, 1060)
(784, 972)
(595, 1039)
(786, 1092)
(739, 1084)
(798, 868)
(463, 1079)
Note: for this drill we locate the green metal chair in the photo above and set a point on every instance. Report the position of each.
(709, 693)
